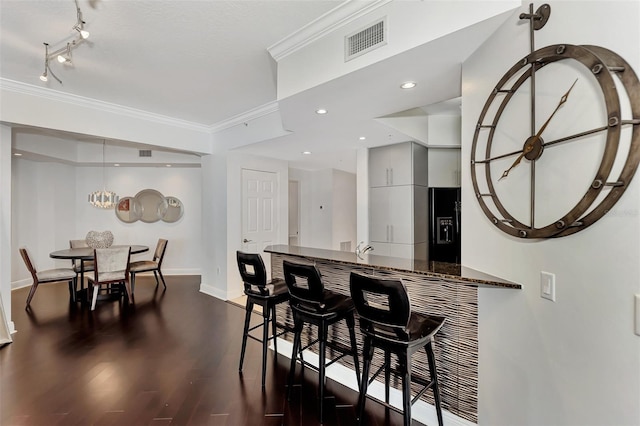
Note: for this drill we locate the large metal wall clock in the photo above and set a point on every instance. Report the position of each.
(553, 176)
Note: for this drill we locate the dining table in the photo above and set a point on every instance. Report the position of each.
(84, 254)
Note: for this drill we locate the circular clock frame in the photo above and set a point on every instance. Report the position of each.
(602, 65)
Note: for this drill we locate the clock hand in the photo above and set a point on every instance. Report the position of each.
(563, 99)
(529, 144)
(528, 147)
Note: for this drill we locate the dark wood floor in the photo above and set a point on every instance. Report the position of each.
(172, 358)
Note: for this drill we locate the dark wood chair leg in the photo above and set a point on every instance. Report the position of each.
(351, 323)
(162, 278)
(322, 337)
(405, 368)
(367, 355)
(434, 378)
(274, 331)
(265, 341)
(32, 291)
(294, 355)
(387, 375)
(247, 320)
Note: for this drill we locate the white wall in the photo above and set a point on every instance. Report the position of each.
(44, 215)
(328, 203)
(344, 209)
(411, 24)
(50, 207)
(575, 361)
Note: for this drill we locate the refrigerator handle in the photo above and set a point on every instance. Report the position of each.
(458, 208)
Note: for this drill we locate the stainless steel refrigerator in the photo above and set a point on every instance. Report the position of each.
(444, 224)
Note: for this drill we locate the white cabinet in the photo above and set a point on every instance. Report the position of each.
(391, 213)
(397, 205)
(400, 164)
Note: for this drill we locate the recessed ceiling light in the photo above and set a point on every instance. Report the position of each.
(408, 85)
(116, 165)
(306, 152)
(17, 154)
(362, 138)
(321, 111)
(168, 165)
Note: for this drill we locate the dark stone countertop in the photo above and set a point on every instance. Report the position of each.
(448, 271)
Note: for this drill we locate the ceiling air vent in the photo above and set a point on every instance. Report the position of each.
(365, 40)
(144, 153)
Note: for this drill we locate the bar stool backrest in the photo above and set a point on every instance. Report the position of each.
(382, 302)
(253, 272)
(305, 285)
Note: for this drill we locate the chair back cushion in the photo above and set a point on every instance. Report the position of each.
(159, 253)
(111, 264)
(380, 301)
(305, 285)
(27, 261)
(78, 243)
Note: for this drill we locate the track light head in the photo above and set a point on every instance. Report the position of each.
(83, 33)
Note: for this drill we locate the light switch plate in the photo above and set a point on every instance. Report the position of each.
(548, 286)
(637, 296)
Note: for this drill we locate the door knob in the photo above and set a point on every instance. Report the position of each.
(247, 241)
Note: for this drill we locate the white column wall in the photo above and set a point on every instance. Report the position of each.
(575, 361)
(214, 225)
(5, 222)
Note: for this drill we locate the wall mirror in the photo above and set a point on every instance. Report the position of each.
(129, 210)
(173, 211)
(149, 206)
(152, 202)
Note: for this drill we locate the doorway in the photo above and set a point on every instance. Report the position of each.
(260, 207)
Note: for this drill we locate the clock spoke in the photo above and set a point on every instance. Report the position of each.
(575, 136)
(498, 157)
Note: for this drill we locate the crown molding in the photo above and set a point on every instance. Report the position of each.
(54, 95)
(246, 117)
(332, 20)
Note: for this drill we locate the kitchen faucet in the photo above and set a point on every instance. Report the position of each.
(361, 251)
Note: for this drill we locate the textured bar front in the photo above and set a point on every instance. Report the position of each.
(446, 294)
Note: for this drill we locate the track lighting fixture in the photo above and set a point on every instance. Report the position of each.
(63, 55)
(47, 70)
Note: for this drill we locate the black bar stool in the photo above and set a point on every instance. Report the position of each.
(386, 321)
(262, 293)
(313, 304)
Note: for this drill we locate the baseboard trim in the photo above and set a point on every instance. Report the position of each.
(213, 291)
(421, 411)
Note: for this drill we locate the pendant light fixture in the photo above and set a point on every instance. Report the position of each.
(103, 199)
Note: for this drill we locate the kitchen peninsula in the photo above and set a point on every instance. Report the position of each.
(436, 288)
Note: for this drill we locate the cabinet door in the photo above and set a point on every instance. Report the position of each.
(391, 165)
(379, 214)
(391, 214)
(404, 251)
(379, 249)
(400, 205)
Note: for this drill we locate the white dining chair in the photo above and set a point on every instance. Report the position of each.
(111, 267)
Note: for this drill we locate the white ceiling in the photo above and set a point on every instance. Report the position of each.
(207, 61)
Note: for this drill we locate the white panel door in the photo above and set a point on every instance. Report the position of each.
(260, 204)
